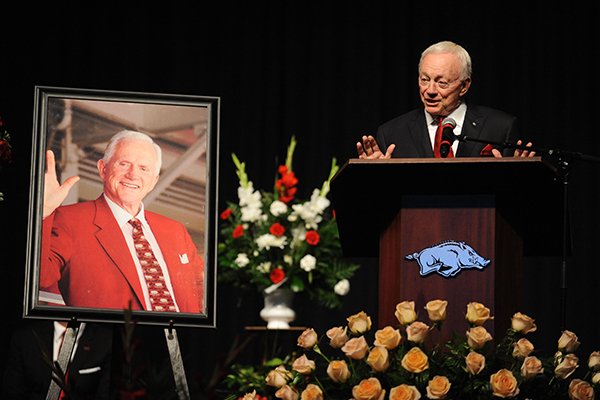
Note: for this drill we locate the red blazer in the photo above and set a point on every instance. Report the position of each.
(84, 252)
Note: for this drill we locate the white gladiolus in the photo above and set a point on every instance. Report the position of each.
(308, 263)
(242, 260)
(342, 287)
(267, 241)
(250, 203)
(278, 208)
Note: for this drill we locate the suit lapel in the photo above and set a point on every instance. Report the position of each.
(472, 127)
(420, 135)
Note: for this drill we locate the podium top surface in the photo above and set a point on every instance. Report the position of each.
(367, 194)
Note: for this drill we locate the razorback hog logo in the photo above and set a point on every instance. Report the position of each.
(448, 258)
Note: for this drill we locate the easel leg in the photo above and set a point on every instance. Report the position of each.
(64, 358)
(181, 386)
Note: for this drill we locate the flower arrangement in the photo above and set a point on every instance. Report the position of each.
(272, 239)
(5, 149)
(396, 362)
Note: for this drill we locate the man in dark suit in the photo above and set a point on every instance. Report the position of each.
(35, 345)
(444, 80)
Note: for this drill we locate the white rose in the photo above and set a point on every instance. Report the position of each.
(308, 263)
(278, 207)
(242, 260)
(342, 287)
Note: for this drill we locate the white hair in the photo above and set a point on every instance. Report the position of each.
(134, 136)
(452, 48)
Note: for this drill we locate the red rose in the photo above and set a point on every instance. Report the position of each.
(277, 275)
(277, 229)
(312, 238)
(238, 232)
(226, 213)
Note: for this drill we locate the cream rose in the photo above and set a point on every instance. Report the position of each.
(250, 396)
(477, 313)
(475, 362)
(438, 387)
(567, 366)
(522, 348)
(596, 378)
(594, 360)
(436, 310)
(388, 337)
(278, 377)
(308, 339)
(359, 323)
(312, 392)
(415, 361)
(477, 337)
(568, 342)
(356, 348)
(303, 365)
(531, 367)
(368, 389)
(404, 392)
(580, 390)
(287, 393)
(417, 332)
(523, 323)
(378, 359)
(337, 337)
(338, 371)
(504, 384)
(405, 312)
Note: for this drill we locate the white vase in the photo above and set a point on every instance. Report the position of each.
(278, 312)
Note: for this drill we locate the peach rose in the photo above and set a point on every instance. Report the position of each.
(567, 366)
(303, 365)
(477, 313)
(378, 359)
(596, 378)
(287, 393)
(404, 392)
(359, 323)
(522, 348)
(312, 392)
(438, 387)
(580, 390)
(568, 342)
(477, 337)
(308, 339)
(356, 348)
(368, 389)
(278, 377)
(531, 367)
(504, 384)
(522, 323)
(415, 361)
(250, 396)
(388, 337)
(436, 310)
(337, 337)
(475, 362)
(338, 371)
(594, 361)
(417, 332)
(405, 312)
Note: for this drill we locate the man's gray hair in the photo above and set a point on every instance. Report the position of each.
(134, 136)
(452, 48)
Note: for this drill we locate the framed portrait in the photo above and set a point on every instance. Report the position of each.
(123, 207)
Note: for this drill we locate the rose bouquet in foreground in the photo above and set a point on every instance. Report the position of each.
(271, 239)
(395, 362)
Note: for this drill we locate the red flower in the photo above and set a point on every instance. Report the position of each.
(277, 229)
(286, 184)
(312, 237)
(238, 232)
(277, 275)
(5, 151)
(226, 213)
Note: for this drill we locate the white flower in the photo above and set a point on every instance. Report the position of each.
(308, 263)
(267, 241)
(250, 203)
(265, 267)
(251, 214)
(242, 260)
(288, 259)
(342, 287)
(278, 208)
(311, 211)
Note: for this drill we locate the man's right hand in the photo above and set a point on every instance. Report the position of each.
(369, 149)
(54, 192)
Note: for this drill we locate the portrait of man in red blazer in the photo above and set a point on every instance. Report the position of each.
(91, 252)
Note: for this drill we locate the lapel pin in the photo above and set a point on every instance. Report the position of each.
(184, 258)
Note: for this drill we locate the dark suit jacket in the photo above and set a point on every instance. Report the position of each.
(409, 132)
(84, 252)
(27, 374)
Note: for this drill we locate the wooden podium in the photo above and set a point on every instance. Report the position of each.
(401, 210)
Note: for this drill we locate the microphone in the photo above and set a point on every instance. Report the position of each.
(448, 136)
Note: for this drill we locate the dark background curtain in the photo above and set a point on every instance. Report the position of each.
(326, 74)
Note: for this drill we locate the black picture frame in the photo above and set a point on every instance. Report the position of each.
(76, 124)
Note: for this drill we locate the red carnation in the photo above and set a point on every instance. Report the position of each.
(226, 213)
(312, 238)
(277, 229)
(238, 232)
(286, 184)
(277, 275)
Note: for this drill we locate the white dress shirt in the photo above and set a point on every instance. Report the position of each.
(457, 115)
